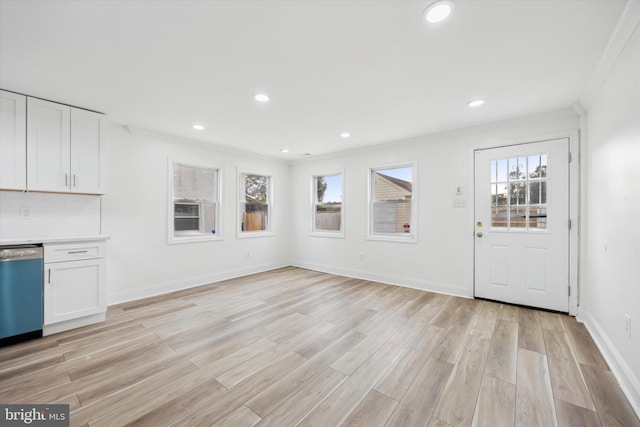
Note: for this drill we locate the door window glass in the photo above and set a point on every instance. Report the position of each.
(519, 193)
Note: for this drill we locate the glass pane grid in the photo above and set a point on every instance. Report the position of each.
(327, 215)
(255, 203)
(195, 198)
(519, 193)
(391, 201)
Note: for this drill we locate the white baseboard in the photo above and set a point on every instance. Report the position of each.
(628, 382)
(178, 285)
(423, 285)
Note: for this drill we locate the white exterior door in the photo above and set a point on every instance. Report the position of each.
(522, 224)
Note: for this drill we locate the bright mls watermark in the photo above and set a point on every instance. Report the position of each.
(34, 415)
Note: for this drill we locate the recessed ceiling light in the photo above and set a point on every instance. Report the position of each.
(345, 135)
(198, 127)
(475, 103)
(261, 97)
(438, 11)
(284, 150)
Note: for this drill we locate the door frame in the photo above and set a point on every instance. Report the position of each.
(574, 205)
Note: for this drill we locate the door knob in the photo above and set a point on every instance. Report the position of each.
(479, 234)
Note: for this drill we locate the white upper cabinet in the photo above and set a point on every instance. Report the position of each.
(48, 146)
(13, 141)
(64, 149)
(87, 157)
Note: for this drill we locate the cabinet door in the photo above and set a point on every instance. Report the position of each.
(73, 289)
(87, 152)
(13, 141)
(48, 146)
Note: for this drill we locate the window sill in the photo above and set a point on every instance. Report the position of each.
(191, 238)
(250, 234)
(394, 238)
(336, 235)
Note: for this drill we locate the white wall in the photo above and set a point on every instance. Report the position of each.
(52, 215)
(442, 260)
(613, 218)
(135, 214)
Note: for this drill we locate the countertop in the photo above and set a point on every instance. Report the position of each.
(45, 240)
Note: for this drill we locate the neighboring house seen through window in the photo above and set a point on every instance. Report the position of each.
(194, 203)
(392, 202)
(327, 204)
(254, 203)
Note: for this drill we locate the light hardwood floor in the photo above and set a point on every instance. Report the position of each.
(296, 347)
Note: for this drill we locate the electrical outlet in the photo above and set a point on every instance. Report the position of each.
(627, 325)
(361, 256)
(26, 213)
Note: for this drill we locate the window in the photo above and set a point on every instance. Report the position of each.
(327, 205)
(392, 206)
(519, 193)
(194, 206)
(254, 204)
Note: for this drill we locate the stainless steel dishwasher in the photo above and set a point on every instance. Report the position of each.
(21, 293)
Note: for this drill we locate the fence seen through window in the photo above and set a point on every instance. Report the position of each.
(327, 203)
(255, 203)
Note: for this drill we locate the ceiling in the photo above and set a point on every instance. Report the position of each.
(374, 69)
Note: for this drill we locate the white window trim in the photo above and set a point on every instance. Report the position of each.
(172, 239)
(240, 188)
(332, 234)
(398, 238)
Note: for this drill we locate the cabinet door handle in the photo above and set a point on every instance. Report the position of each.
(66, 179)
(74, 181)
(77, 252)
(49, 279)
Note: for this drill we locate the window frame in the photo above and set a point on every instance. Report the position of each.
(411, 237)
(172, 238)
(314, 203)
(241, 202)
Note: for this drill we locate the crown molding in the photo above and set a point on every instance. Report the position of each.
(621, 34)
(210, 146)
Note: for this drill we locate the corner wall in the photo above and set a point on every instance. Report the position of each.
(613, 219)
(442, 260)
(135, 215)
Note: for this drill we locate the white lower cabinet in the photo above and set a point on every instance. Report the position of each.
(74, 285)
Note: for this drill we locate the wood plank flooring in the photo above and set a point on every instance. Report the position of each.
(296, 347)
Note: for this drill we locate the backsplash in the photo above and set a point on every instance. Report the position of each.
(48, 215)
